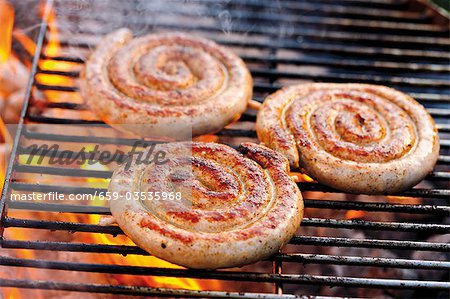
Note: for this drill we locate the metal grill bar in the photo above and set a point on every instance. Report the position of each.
(332, 36)
(74, 138)
(356, 25)
(22, 150)
(437, 113)
(444, 143)
(357, 51)
(309, 203)
(133, 290)
(417, 82)
(362, 261)
(297, 257)
(423, 193)
(298, 240)
(107, 174)
(369, 243)
(224, 275)
(262, 87)
(420, 96)
(345, 64)
(317, 222)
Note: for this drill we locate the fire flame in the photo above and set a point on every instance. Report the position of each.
(206, 138)
(354, 214)
(5, 141)
(26, 42)
(7, 17)
(300, 177)
(52, 49)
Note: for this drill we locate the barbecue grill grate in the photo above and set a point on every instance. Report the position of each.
(399, 43)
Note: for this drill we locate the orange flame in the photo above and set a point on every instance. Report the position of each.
(404, 200)
(300, 177)
(353, 214)
(5, 141)
(26, 42)
(13, 294)
(7, 17)
(206, 138)
(52, 49)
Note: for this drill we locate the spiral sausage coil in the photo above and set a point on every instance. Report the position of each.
(354, 137)
(236, 207)
(165, 85)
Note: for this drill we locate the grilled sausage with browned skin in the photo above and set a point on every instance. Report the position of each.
(236, 207)
(354, 137)
(165, 85)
